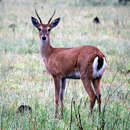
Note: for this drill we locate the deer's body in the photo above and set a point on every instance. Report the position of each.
(84, 62)
(62, 61)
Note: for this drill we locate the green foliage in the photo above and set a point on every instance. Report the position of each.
(23, 77)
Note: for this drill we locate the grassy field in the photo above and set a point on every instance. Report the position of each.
(23, 79)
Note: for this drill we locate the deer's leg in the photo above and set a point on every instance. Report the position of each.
(62, 89)
(96, 84)
(89, 90)
(57, 82)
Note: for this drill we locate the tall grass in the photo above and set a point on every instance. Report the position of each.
(23, 77)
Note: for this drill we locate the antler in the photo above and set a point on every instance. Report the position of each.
(51, 17)
(38, 16)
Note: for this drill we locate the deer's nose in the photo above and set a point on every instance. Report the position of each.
(43, 38)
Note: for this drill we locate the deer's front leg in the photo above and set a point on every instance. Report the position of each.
(62, 89)
(57, 81)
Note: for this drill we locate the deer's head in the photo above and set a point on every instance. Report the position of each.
(44, 29)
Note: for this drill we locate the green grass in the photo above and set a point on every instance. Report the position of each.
(22, 76)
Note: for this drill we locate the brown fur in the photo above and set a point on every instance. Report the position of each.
(62, 61)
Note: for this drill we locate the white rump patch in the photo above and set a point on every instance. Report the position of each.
(97, 73)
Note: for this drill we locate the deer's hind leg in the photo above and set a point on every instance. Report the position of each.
(88, 87)
(96, 84)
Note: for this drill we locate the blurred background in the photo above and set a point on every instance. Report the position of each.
(23, 77)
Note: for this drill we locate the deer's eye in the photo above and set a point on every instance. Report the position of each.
(49, 30)
(39, 29)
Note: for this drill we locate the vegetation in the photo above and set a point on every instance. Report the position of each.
(23, 77)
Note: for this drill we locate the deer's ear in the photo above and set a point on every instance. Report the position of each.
(35, 22)
(55, 22)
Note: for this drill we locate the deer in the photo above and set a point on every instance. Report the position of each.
(85, 62)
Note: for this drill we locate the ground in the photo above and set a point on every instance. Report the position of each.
(23, 77)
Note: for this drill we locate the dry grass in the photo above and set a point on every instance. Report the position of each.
(23, 80)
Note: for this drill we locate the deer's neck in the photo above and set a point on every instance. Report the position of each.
(45, 49)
